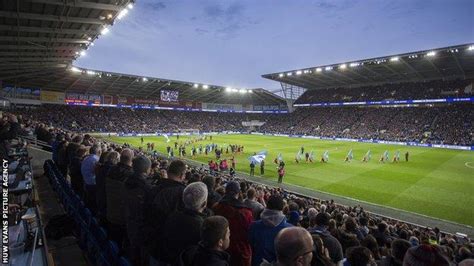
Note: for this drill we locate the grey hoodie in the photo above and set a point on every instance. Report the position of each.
(272, 217)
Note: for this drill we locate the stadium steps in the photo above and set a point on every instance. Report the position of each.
(64, 251)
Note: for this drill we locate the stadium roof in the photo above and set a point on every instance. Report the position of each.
(40, 37)
(441, 63)
(89, 81)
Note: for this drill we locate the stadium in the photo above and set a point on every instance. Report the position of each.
(360, 162)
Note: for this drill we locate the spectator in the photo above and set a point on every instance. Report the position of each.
(320, 253)
(109, 159)
(330, 242)
(240, 218)
(182, 228)
(215, 239)
(213, 197)
(88, 174)
(77, 181)
(360, 256)
(165, 197)
(399, 248)
(136, 188)
(9, 129)
(263, 232)
(115, 179)
(252, 204)
(425, 255)
(294, 246)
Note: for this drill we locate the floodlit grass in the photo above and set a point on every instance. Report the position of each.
(435, 182)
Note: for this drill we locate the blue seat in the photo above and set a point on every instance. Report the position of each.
(124, 262)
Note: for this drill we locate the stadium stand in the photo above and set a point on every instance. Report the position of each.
(338, 228)
(124, 206)
(401, 91)
(394, 124)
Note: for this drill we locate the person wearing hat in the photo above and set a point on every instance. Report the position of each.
(182, 228)
(240, 217)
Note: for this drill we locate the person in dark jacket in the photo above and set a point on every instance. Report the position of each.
(62, 157)
(115, 203)
(9, 129)
(72, 147)
(136, 188)
(165, 198)
(215, 239)
(239, 217)
(182, 228)
(331, 243)
(77, 181)
(212, 196)
(106, 163)
(263, 232)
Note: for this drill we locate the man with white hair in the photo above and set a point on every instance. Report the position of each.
(182, 228)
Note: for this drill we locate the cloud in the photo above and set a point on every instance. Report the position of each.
(225, 21)
(155, 6)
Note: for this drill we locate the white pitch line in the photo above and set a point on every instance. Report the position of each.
(469, 165)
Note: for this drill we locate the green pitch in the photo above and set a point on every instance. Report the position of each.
(435, 182)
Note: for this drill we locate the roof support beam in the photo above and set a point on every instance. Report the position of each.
(458, 64)
(25, 74)
(80, 4)
(72, 84)
(39, 55)
(146, 86)
(38, 47)
(128, 86)
(41, 39)
(46, 30)
(157, 89)
(111, 84)
(411, 68)
(22, 15)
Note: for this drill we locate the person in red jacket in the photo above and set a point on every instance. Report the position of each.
(240, 218)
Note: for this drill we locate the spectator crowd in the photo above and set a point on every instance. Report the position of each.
(170, 213)
(397, 91)
(445, 124)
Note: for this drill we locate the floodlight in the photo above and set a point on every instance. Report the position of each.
(470, 48)
(130, 6)
(281, 75)
(242, 91)
(250, 91)
(195, 85)
(289, 74)
(432, 53)
(353, 64)
(318, 69)
(394, 59)
(343, 66)
(122, 13)
(235, 90)
(205, 87)
(228, 89)
(328, 68)
(144, 79)
(82, 53)
(75, 69)
(89, 38)
(298, 72)
(104, 31)
(90, 72)
(91, 44)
